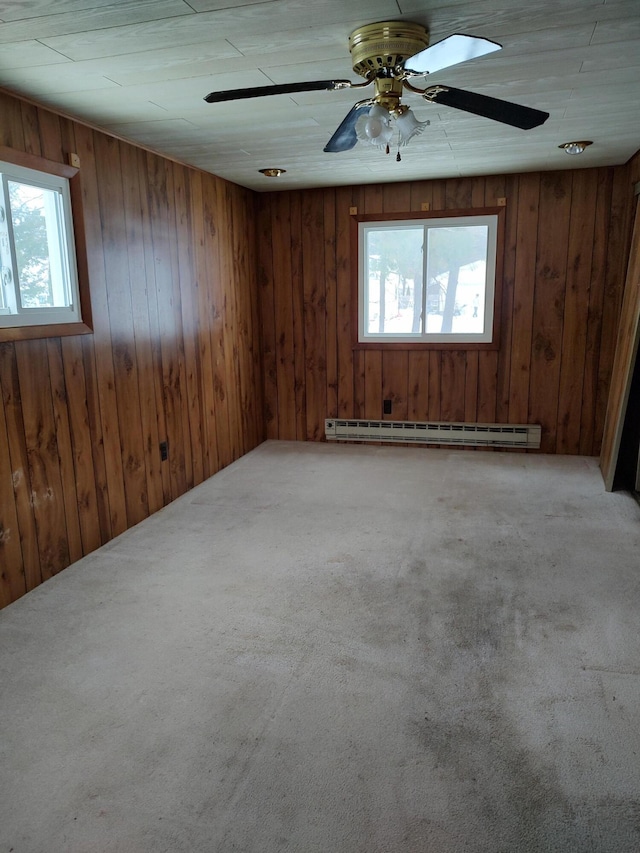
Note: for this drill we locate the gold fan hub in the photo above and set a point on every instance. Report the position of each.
(385, 45)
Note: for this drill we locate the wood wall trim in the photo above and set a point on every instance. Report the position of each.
(628, 341)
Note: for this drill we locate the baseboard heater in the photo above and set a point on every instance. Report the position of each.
(425, 432)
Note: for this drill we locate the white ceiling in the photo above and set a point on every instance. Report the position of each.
(141, 68)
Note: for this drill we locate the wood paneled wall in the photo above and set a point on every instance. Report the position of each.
(567, 237)
(174, 355)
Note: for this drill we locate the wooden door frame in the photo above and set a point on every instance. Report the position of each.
(625, 358)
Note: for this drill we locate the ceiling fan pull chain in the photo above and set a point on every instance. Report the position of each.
(388, 149)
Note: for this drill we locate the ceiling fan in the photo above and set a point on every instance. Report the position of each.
(391, 55)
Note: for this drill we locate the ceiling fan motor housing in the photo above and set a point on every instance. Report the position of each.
(385, 45)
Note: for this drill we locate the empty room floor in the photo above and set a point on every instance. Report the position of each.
(337, 649)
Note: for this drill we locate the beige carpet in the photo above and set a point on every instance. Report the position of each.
(337, 649)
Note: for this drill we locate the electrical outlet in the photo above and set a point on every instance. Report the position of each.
(164, 451)
(386, 407)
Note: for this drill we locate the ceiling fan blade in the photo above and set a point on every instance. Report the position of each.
(344, 139)
(450, 51)
(278, 89)
(516, 115)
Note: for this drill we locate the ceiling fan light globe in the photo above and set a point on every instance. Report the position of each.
(409, 126)
(373, 127)
(377, 123)
(378, 111)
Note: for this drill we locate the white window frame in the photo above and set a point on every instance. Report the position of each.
(62, 252)
(487, 336)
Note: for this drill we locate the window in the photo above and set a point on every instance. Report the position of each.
(427, 280)
(39, 281)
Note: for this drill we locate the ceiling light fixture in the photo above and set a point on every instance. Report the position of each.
(376, 127)
(408, 125)
(575, 147)
(272, 173)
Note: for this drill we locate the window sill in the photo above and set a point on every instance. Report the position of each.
(50, 330)
(426, 345)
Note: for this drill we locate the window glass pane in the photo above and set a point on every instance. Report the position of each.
(442, 267)
(393, 280)
(456, 276)
(39, 246)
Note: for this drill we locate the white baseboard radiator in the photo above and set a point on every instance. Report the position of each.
(424, 432)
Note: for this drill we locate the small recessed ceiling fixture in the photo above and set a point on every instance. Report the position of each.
(575, 147)
(272, 173)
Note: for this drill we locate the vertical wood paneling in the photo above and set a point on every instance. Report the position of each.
(84, 453)
(157, 398)
(522, 300)
(174, 355)
(359, 369)
(548, 308)
(471, 387)
(284, 323)
(116, 240)
(565, 233)
(396, 198)
(228, 270)
(452, 385)
(46, 496)
(12, 580)
(372, 384)
(315, 312)
(331, 279)
(11, 126)
(188, 292)
(213, 313)
(65, 450)
(141, 330)
(267, 314)
(202, 237)
(299, 320)
(50, 136)
(619, 239)
(19, 470)
(244, 236)
(344, 354)
(32, 141)
(159, 192)
(588, 440)
(95, 432)
(107, 404)
(434, 412)
(418, 385)
(576, 314)
(395, 383)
